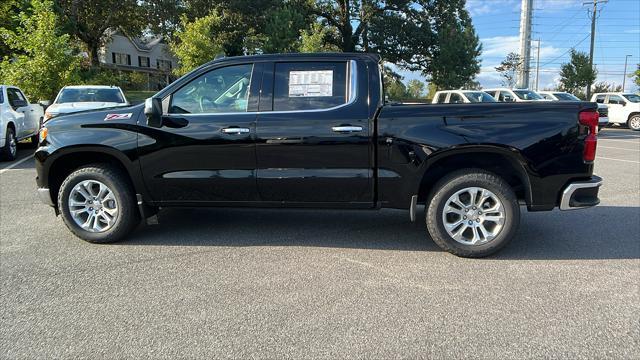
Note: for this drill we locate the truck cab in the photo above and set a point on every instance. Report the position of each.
(514, 95)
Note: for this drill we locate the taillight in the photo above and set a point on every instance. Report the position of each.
(589, 118)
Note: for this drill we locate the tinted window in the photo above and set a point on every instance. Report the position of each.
(505, 96)
(309, 85)
(615, 99)
(440, 98)
(600, 99)
(218, 91)
(566, 97)
(527, 95)
(16, 99)
(479, 96)
(455, 99)
(633, 98)
(72, 95)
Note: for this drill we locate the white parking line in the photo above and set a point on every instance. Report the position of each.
(621, 141)
(611, 147)
(620, 136)
(15, 164)
(606, 158)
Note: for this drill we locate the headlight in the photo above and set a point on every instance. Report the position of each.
(43, 134)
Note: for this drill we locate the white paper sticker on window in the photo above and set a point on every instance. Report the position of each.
(311, 83)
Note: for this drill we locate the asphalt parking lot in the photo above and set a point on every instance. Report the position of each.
(244, 283)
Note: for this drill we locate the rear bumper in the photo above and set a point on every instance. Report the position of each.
(45, 196)
(581, 194)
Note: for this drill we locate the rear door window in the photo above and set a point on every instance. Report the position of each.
(310, 85)
(600, 99)
(455, 99)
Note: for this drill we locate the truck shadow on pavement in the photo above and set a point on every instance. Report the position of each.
(604, 232)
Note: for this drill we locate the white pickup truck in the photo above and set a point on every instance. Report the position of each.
(18, 120)
(624, 108)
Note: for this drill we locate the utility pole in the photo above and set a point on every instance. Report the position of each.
(538, 65)
(525, 44)
(624, 78)
(593, 36)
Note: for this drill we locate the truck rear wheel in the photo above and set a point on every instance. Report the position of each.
(472, 213)
(97, 204)
(634, 122)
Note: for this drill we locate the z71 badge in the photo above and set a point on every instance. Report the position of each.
(118, 116)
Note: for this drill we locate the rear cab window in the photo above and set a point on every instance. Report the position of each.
(311, 85)
(600, 99)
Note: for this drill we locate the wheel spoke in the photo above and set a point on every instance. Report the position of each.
(101, 215)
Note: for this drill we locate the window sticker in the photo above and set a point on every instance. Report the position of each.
(311, 83)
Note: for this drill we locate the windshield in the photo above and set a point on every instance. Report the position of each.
(527, 95)
(479, 96)
(632, 97)
(90, 95)
(566, 97)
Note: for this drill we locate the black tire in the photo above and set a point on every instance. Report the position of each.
(128, 216)
(9, 152)
(457, 181)
(634, 122)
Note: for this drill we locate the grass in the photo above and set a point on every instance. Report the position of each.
(137, 97)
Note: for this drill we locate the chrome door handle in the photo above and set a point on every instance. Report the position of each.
(236, 130)
(346, 128)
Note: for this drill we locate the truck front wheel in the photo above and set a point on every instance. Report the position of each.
(634, 122)
(97, 204)
(472, 213)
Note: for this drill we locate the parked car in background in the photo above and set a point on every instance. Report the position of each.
(603, 112)
(19, 120)
(461, 96)
(315, 131)
(514, 95)
(624, 108)
(85, 97)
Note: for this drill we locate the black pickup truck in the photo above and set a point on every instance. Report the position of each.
(313, 130)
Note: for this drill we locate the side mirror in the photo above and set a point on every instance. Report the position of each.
(153, 111)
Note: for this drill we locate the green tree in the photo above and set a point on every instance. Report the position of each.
(283, 28)
(508, 68)
(91, 20)
(9, 19)
(46, 61)
(636, 77)
(163, 16)
(577, 74)
(195, 44)
(317, 39)
(456, 58)
(415, 89)
(394, 88)
(221, 32)
(602, 86)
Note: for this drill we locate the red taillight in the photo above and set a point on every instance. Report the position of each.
(589, 118)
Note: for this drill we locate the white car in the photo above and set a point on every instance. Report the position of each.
(624, 108)
(461, 96)
(603, 111)
(85, 97)
(18, 120)
(514, 95)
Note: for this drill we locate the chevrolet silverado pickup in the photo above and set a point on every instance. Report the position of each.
(313, 130)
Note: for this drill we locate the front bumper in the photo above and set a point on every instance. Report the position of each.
(581, 194)
(45, 196)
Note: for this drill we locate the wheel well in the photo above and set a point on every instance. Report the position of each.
(66, 164)
(12, 126)
(498, 164)
(632, 115)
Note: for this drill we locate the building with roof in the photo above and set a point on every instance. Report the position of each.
(148, 55)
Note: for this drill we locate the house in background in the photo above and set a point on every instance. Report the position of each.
(147, 55)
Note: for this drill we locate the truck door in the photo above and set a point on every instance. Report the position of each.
(20, 108)
(205, 150)
(616, 104)
(314, 137)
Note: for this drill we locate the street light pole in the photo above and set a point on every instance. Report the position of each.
(624, 77)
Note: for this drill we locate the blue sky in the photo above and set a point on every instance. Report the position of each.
(560, 25)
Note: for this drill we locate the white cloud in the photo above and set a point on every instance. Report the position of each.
(483, 7)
